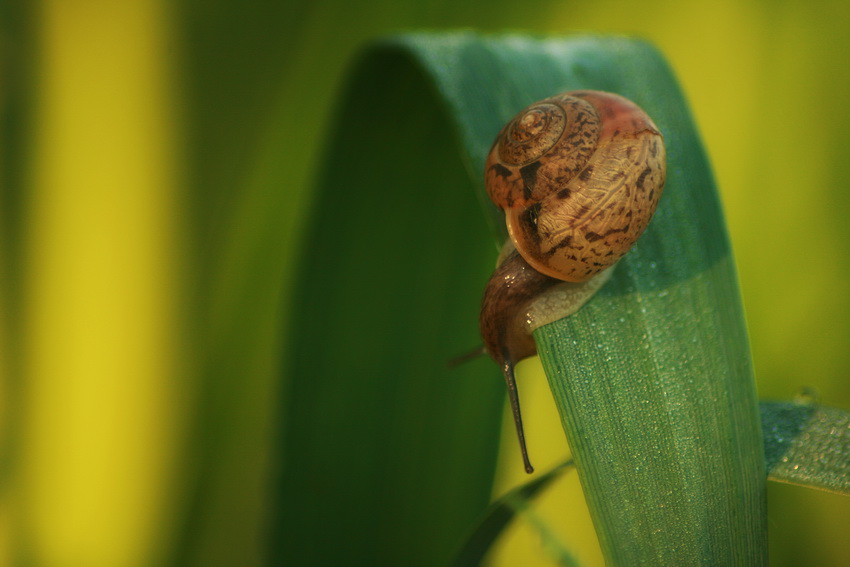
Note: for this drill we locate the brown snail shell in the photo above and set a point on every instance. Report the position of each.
(579, 176)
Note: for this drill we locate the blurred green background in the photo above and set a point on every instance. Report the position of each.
(156, 160)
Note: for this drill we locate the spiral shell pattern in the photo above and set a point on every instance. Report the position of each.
(579, 176)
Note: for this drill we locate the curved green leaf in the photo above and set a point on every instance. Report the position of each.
(391, 454)
(385, 450)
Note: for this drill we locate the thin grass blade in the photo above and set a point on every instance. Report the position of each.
(501, 513)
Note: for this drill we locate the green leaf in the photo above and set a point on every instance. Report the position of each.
(390, 455)
(653, 378)
(808, 445)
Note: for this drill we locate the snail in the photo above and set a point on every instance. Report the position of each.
(579, 176)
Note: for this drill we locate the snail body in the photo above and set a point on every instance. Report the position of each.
(579, 176)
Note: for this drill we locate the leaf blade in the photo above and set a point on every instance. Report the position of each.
(479, 83)
(653, 378)
(807, 445)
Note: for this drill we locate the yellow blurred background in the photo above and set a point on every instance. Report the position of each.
(141, 249)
